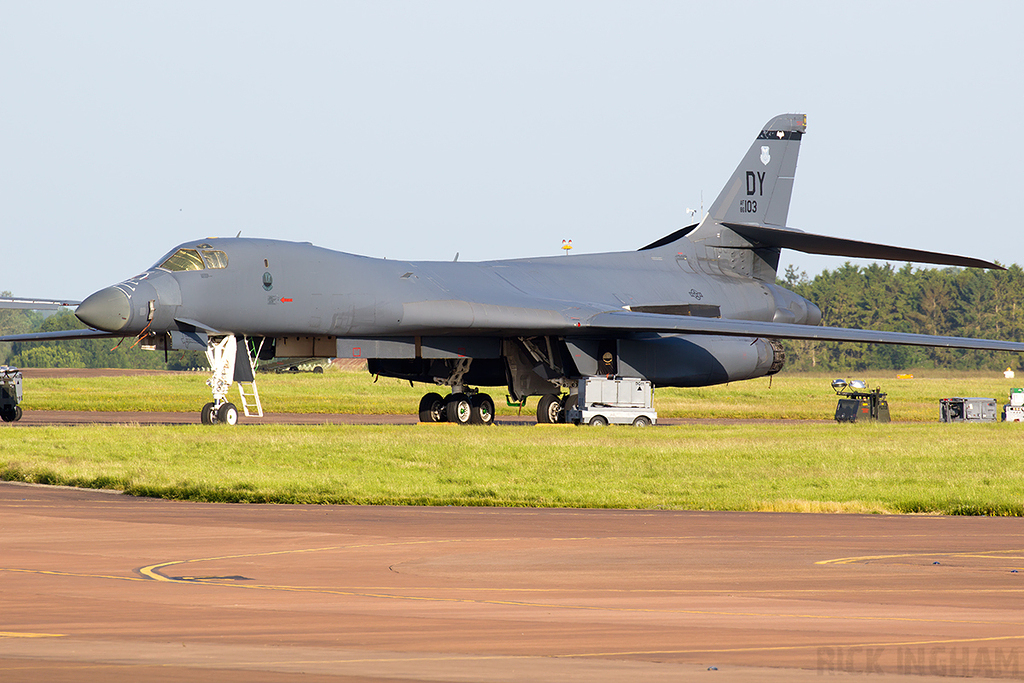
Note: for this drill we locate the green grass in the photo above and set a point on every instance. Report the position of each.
(896, 468)
(914, 465)
(785, 396)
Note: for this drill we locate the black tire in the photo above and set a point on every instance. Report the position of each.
(17, 413)
(7, 414)
(642, 421)
(432, 408)
(459, 409)
(482, 410)
(206, 415)
(549, 409)
(227, 414)
(598, 421)
(318, 370)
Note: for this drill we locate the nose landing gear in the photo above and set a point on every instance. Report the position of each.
(222, 354)
(226, 413)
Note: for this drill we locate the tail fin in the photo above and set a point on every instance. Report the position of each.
(745, 229)
(758, 193)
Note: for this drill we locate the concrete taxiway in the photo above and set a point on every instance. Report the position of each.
(101, 586)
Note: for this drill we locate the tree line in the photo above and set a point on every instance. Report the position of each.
(987, 304)
(82, 353)
(943, 301)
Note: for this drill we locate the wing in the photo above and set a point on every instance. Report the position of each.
(629, 321)
(37, 304)
(60, 335)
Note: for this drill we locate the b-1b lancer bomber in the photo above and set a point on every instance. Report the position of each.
(698, 307)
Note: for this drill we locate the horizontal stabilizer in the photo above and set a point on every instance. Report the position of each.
(787, 238)
(36, 304)
(621, 321)
(60, 335)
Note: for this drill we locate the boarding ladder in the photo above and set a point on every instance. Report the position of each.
(250, 395)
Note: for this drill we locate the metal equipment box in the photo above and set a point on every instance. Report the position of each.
(863, 406)
(959, 409)
(613, 400)
(857, 404)
(10, 393)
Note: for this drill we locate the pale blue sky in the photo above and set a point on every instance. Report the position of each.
(418, 130)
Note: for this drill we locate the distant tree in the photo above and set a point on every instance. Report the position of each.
(94, 353)
(15, 321)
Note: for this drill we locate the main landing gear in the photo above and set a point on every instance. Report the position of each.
(464, 406)
(471, 407)
(551, 408)
(460, 407)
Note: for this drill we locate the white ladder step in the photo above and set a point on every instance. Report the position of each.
(250, 400)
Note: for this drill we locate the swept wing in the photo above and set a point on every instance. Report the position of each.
(630, 321)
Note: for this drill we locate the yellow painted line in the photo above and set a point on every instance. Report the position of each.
(16, 634)
(986, 554)
(776, 648)
(373, 590)
(77, 575)
(626, 653)
(373, 594)
(593, 608)
(150, 571)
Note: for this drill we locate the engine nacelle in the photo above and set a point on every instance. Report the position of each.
(692, 361)
(790, 307)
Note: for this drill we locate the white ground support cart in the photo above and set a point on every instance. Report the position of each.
(613, 400)
(1014, 410)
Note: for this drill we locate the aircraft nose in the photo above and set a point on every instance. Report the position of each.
(107, 310)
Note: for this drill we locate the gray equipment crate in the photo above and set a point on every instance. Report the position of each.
(968, 410)
(613, 400)
(10, 393)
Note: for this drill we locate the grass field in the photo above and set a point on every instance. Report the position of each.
(785, 396)
(951, 469)
(915, 465)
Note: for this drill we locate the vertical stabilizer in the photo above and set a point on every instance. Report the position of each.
(758, 193)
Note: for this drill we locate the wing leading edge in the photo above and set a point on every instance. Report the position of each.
(36, 304)
(629, 321)
(61, 335)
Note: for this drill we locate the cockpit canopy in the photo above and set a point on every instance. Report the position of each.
(194, 259)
